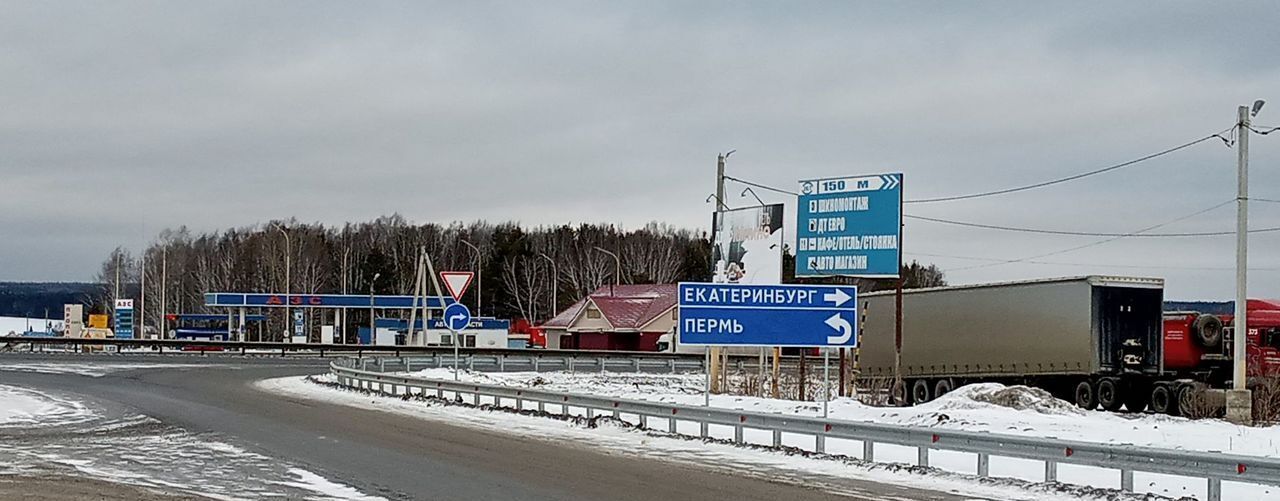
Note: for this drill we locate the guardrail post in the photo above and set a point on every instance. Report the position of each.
(1215, 490)
(671, 366)
(868, 451)
(475, 398)
(542, 407)
(471, 362)
(1126, 480)
(820, 443)
(591, 413)
(703, 429)
(984, 465)
(536, 359)
(671, 425)
(1050, 471)
(637, 363)
(777, 438)
(439, 391)
(502, 363)
(644, 422)
(382, 365)
(737, 434)
(570, 364)
(922, 456)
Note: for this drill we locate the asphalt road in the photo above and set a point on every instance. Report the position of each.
(401, 457)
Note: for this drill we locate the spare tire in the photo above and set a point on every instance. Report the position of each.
(1208, 330)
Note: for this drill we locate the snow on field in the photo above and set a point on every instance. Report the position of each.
(831, 475)
(986, 407)
(18, 325)
(23, 407)
(980, 407)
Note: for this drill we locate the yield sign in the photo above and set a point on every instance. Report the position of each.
(457, 282)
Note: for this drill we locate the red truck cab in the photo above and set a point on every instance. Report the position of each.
(1198, 343)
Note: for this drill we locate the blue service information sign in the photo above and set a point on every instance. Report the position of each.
(123, 328)
(849, 226)
(768, 315)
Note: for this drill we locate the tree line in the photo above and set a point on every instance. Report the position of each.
(530, 273)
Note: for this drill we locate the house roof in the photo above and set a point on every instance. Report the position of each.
(626, 307)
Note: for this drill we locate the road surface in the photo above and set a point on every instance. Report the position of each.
(402, 457)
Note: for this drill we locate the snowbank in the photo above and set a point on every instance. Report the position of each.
(24, 407)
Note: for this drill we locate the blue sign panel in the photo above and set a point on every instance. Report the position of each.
(849, 226)
(123, 328)
(477, 323)
(457, 317)
(768, 315)
(264, 300)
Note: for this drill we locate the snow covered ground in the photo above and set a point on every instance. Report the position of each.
(95, 368)
(989, 407)
(45, 434)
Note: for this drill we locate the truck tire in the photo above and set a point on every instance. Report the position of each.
(943, 387)
(1110, 395)
(898, 394)
(1186, 399)
(1162, 399)
(920, 391)
(1085, 397)
(1208, 330)
(1136, 396)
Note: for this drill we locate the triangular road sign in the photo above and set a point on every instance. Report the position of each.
(457, 282)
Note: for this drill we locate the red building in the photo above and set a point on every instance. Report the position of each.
(622, 317)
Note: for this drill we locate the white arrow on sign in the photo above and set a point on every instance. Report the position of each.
(842, 325)
(838, 297)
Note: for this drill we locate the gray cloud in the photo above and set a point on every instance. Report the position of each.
(120, 119)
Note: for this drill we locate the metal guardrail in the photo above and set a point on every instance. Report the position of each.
(1214, 467)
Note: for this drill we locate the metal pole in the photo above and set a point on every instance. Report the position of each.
(373, 328)
(826, 380)
(164, 282)
(617, 268)
(142, 295)
(1238, 380)
(288, 321)
(706, 389)
(555, 285)
(479, 281)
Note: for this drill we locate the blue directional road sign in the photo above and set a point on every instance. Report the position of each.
(457, 317)
(849, 226)
(768, 315)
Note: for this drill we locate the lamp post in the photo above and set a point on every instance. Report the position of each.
(287, 247)
(479, 280)
(555, 284)
(373, 328)
(617, 268)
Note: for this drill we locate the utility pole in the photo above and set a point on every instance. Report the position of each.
(373, 328)
(1240, 399)
(142, 294)
(164, 282)
(716, 354)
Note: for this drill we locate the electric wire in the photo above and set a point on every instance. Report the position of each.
(1089, 233)
(1061, 263)
(1074, 177)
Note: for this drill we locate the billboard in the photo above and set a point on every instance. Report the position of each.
(850, 226)
(746, 245)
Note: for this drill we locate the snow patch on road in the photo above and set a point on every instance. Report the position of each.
(92, 369)
(328, 490)
(24, 407)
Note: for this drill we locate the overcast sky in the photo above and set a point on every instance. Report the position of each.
(119, 119)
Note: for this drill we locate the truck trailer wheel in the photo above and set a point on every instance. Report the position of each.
(1136, 396)
(1162, 399)
(1110, 396)
(1085, 397)
(943, 387)
(920, 391)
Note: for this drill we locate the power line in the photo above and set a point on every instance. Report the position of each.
(1090, 233)
(1264, 131)
(1099, 242)
(1073, 177)
(762, 186)
(1091, 264)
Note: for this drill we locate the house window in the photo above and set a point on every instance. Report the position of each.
(593, 313)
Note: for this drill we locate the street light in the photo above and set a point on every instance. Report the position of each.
(373, 329)
(617, 268)
(287, 248)
(479, 280)
(555, 285)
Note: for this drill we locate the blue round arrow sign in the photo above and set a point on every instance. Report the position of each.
(457, 317)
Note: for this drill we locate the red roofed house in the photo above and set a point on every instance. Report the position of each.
(621, 317)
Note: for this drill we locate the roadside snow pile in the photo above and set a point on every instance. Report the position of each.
(1019, 398)
(23, 407)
